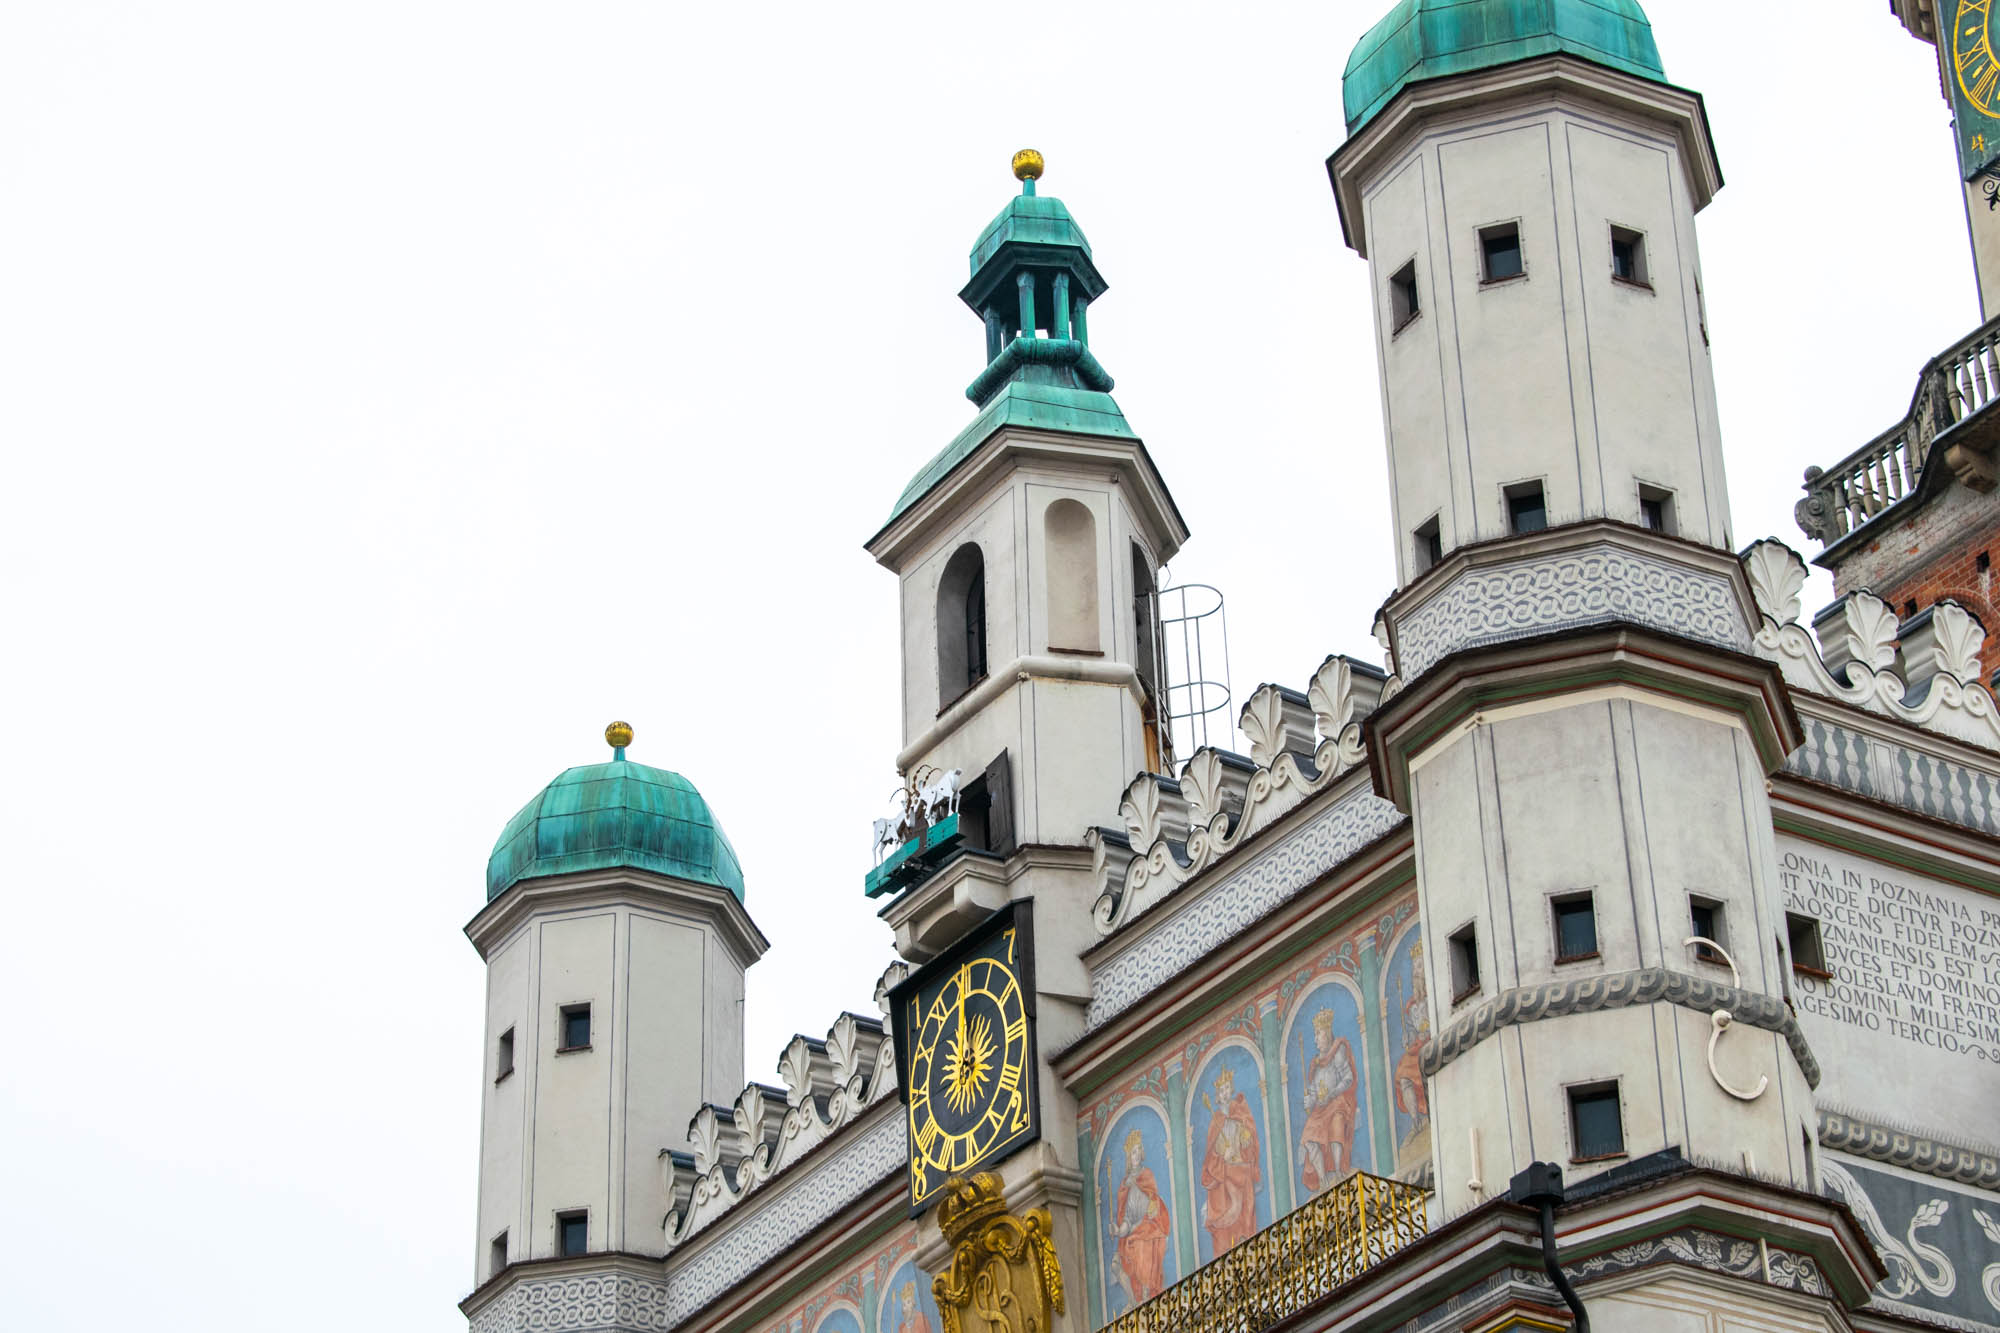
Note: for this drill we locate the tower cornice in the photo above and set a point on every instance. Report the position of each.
(602, 888)
(1509, 89)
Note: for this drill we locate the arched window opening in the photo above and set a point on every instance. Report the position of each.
(1146, 620)
(961, 623)
(1069, 545)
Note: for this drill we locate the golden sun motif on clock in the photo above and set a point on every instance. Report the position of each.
(970, 1066)
(1972, 57)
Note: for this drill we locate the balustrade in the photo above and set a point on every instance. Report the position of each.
(1295, 1261)
(1961, 380)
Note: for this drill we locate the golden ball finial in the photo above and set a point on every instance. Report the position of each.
(1027, 165)
(618, 735)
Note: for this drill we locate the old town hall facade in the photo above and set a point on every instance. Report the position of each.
(1611, 941)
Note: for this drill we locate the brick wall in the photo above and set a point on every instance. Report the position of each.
(1934, 553)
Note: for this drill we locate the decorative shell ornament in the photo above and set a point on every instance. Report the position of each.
(1027, 165)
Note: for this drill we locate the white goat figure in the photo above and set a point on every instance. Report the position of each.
(939, 796)
(889, 833)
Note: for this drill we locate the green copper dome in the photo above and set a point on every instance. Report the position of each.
(605, 816)
(1423, 39)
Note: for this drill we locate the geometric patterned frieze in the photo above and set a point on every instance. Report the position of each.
(839, 1173)
(1568, 589)
(1235, 900)
(601, 1302)
(1618, 990)
(1853, 761)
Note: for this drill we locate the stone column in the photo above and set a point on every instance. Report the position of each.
(1060, 296)
(1375, 1031)
(1026, 282)
(1183, 1151)
(1274, 1108)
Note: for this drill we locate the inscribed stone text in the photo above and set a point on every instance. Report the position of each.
(1906, 960)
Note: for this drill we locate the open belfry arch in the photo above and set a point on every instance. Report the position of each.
(1604, 944)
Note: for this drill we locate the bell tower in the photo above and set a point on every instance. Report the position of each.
(1581, 737)
(1025, 552)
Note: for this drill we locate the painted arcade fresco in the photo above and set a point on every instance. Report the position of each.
(1304, 1076)
(881, 1293)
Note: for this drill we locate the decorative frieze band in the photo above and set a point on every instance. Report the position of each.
(1913, 1152)
(1568, 589)
(842, 1173)
(1618, 990)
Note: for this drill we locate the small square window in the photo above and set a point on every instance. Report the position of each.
(575, 1028)
(1596, 1128)
(1982, 562)
(1500, 252)
(1464, 962)
(1656, 509)
(503, 1056)
(573, 1232)
(1526, 510)
(1628, 256)
(1802, 939)
(1576, 928)
(1705, 914)
(1909, 608)
(1430, 544)
(497, 1255)
(1403, 306)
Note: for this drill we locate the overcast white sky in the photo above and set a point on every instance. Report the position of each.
(393, 394)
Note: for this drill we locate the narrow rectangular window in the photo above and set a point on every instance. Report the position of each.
(1500, 252)
(1464, 962)
(1576, 928)
(503, 1057)
(1430, 544)
(1526, 510)
(575, 1028)
(1656, 509)
(1628, 256)
(1705, 915)
(497, 1258)
(1802, 938)
(1403, 306)
(573, 1232)
(1596, 1128)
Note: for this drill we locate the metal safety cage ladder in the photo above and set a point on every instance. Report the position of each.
(1192, 663)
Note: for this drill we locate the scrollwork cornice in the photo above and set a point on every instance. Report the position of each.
(1619, 990)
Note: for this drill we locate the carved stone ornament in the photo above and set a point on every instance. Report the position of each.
(1855, 658)
(1004, 1275)
(1178, 829)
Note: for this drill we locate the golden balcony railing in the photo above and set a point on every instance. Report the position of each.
(1288, 1265)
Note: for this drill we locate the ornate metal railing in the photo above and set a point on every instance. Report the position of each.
(1957, 382)
(1295, 1261)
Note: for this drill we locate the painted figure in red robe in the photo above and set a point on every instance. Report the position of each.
(1229, 1169)
(1142, 1226)
(1326, 1143)
(914, 1320)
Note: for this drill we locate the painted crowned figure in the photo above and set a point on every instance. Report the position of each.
(1229, 1170)
(913, 1320)
(1326, 1143)
(1142, 1226)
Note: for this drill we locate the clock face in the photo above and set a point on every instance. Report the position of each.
(1972, 55)
(967, 1030)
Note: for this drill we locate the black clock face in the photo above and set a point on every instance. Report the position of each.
(965, 1027)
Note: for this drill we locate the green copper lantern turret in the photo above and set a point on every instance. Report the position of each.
(1033, 280)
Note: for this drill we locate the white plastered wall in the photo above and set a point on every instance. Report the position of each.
(1565, 375)
(584, 1129)
(1641, 804)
